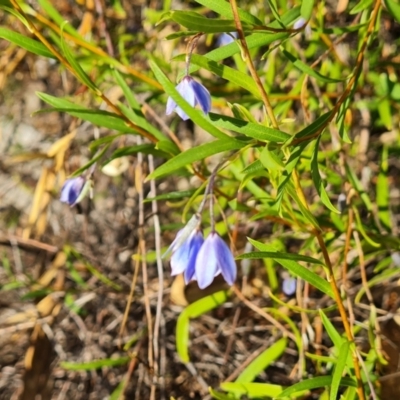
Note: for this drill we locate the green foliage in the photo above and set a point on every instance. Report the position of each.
(299, 120)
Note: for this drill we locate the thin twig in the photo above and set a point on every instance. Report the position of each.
(251, 67)
(261, 312)
(160, 271)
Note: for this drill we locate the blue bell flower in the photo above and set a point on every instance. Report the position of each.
(74, 189)
(184, 257)
(194, 93)
(213, 258)
(225, 38)
(289, 286)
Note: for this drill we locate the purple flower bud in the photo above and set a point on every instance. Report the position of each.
(72, 190)
(299, 23)
(289, 286)
(184, 257)
(213, 258)
(226, 38)
(302, 23)
(194, 93)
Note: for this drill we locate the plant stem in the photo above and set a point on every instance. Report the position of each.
(251, 67)
(331, 278)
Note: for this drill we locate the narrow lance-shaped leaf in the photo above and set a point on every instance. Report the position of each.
(195, 154)
(318, 183)
(339, 369)
(223, 8)
(296, 269)
(25, 42)
(81, 74)
(197, 22)
(306, 9)
(314, 383)
(250, 129)
(307, 69)
(260, 363)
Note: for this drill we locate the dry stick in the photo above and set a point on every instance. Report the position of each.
(103, 27)
(251, 67)
(142, 251)
(160, 271)
(261, 312)
(347, 245)
(97, 91)
(146, 109)
(131, 293)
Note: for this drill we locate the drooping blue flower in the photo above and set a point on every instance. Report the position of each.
(194, 93)
(214, 258)
(184, 257)
(73, 190)
(303, 23)
(289, 285)
(226, 38)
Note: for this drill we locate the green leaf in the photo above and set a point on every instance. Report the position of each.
(361, 6)
(252, 390)
(274, 8)
(172, 195)
(57, 18)
(195, 154)
(306, 9)
(134, 113)
(334, 335)
(314, 383)
(196, 22)
(315, 126)
(81, 74)
(255, 40)
(339, 368)
(307, 69)
(357, 185)
(25, 42)
(382, 192)
(117, 393)
(261, 362)
(194, 115)
(232, 75)
(141, 148)
(250, 129)
(194, 310)
(97, 364)
(97, 117)
(225, 10)
(279, 256)
(318, 183)
(394, 8)
(296, 269)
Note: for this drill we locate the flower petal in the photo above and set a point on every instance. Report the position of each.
(203, 97)
(186, 91)
(185, 255)
(171, 105)
(180, 259)
(71, 190)
(226, 262)
(190, 271)
(289, 286)
(206, 263)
